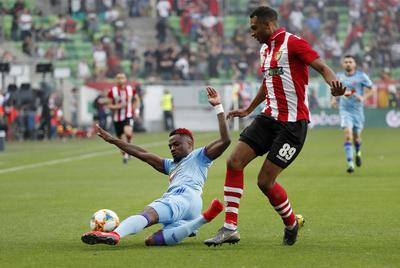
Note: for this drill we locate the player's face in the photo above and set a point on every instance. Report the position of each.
(349, 64)
(121, 79)
(180, 146)
(260, 30)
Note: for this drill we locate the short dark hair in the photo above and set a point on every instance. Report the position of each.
(349, 56)
(182, 131)
(265, 13)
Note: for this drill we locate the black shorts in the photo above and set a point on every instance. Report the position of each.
(119, 126)
(283, 140)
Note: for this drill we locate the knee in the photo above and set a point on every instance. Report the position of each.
(234, 162)
(265, 182)
(150, 241)
(348, 138)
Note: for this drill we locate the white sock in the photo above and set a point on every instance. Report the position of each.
(131, 225)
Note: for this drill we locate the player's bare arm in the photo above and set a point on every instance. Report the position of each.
(153, 160)
(115, 106)
(216, 148)
(367, 93)
(260, 97)
(337, 88)
(135, 102)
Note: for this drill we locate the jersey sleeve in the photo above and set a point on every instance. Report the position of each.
(202, 157)
(167, 165)
(300, 48)
(366, 82)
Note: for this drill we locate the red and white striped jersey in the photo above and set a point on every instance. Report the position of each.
(284, 63)
(125, 95)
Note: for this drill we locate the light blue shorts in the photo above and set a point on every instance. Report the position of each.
(354, 121)
(180, 205)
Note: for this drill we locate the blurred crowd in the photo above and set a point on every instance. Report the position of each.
(195, 40)
(204, 46)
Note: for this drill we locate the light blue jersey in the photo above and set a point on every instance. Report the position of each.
(182, 201)
(355, 84)
(191, 171)
(350, 108)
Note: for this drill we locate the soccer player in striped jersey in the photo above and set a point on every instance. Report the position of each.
(179, 209)
(122, 102)
(280, 130)
(351, 108)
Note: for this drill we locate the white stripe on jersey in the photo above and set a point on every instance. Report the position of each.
(123, 96)
(289, 88)
(129, 100)
(115, 97)
(273, 104)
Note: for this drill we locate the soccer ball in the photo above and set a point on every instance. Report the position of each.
(104, 220)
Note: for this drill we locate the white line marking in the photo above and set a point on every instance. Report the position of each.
(85, 156)
(69, 159)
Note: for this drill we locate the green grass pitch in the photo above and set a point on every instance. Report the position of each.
(49, 190)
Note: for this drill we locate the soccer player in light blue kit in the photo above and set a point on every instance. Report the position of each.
(351, 108)
(179, 209)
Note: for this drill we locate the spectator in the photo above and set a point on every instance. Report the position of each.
(83, 71)
(70, 25)
(313, 22)
(27, 46)
(386, 90)
(167, 104)
(99, 105)
(119, 42)
(74, 107)
(163, 8)
(161, 27)
(25, 24)
(99, 61)
(296, 18)
(182, 65)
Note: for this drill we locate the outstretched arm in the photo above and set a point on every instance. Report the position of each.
(216, 148)
(115, 106)
(337, 88)
(153, 160)
(260, 97)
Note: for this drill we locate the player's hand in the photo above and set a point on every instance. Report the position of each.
(103, 134)
(337, 88)
(213, 96)
(237, 113)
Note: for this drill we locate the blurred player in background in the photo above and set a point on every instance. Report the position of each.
(122, 102)
(179, 208)
(351, 108)
(280, 130)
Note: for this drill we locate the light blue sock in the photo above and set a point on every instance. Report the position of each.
(348, 149)
(131, 225)
(175, 235)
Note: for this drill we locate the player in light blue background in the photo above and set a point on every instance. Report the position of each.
(351, 108)
(179, 209)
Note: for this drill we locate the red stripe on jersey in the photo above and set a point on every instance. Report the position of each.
(125, 95)
(299, 71)
(118, 118)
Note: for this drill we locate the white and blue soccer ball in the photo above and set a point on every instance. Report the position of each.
(104, 220)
